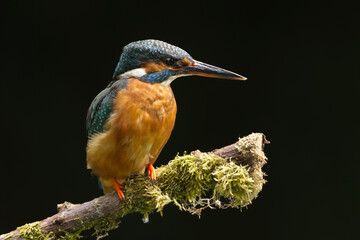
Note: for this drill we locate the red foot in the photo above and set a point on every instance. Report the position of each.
(118, 187)
(151, 172)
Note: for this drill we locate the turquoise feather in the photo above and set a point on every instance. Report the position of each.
(102, 106)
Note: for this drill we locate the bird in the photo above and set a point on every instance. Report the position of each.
(130, 121)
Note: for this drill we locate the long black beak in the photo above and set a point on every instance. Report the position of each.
(207, 70)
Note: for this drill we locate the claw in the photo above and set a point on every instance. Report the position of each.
(151, 172)
(118, 187)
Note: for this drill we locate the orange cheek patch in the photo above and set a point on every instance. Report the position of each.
(186, 62)
(153, 67)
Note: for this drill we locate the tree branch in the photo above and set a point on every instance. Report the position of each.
(193, 182)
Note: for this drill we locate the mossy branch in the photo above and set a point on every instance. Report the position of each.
(226, 177)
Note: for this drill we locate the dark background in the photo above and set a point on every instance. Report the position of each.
(302, 64)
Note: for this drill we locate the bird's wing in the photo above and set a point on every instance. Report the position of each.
(101, 107)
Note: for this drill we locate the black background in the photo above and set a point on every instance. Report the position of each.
(302, 64)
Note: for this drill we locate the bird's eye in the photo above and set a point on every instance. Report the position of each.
(170, 61)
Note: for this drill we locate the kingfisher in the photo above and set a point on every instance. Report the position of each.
(130, 121)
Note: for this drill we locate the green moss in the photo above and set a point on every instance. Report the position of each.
(72, 236)
(32, 231)
(233, 182)
(105, 225)
(193, 182)
(188, 179)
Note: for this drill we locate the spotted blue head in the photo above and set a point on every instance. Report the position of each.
(156, 61)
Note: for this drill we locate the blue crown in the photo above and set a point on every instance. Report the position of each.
(136, 53)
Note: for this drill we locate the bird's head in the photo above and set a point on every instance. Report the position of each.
(156, 61)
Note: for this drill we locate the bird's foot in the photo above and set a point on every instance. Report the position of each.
(118, 188)
(151, 172)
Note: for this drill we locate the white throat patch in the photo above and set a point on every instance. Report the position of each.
(135, 73)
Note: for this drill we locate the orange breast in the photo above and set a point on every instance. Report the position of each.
(140, 125)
